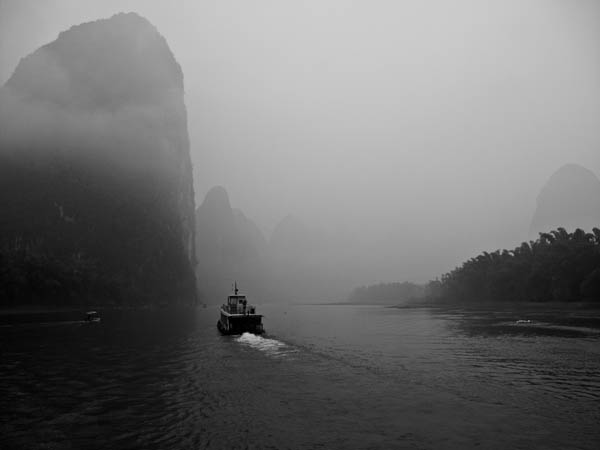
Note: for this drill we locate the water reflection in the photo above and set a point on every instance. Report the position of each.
(356, 377)
(532, 321)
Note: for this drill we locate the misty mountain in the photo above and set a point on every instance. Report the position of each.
(229, 247)
(311, 264)
(292, 238)
(298, 263)
(96, 181)
(569, 199)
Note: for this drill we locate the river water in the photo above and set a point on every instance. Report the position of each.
(323, 377)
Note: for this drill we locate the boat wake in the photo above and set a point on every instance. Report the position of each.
(271, 347)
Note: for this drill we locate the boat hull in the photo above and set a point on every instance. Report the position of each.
(239, 325)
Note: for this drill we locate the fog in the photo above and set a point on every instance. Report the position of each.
(419, 132)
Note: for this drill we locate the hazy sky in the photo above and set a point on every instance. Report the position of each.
(425, 128)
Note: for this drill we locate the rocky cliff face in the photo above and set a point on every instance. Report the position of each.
(229, 248)
(96, 180)
(570, 199)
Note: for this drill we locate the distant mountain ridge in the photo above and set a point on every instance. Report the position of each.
(230, 248)
(570, 199)
(297, 263)
(96, 178)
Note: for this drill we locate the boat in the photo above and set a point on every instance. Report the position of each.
(92, 317)
(238, 317)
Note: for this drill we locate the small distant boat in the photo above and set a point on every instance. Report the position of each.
(92, 317)
(238, 317)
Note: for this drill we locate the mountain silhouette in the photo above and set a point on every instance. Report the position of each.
(96, 180)
(230, 248)
(569, 199)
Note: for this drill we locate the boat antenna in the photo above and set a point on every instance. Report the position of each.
(236, 289)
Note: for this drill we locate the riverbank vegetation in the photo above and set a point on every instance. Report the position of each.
(558, 266)
(387, 293)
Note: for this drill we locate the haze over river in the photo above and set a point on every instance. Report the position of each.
(323, 377)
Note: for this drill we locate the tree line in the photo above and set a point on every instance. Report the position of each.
(558, 266)
(387, 293)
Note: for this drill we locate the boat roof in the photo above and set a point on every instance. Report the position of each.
(91, 312)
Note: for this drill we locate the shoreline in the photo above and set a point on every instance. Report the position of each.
(45, 309)
(503, 305)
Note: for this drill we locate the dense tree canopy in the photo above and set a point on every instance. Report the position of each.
(558, 266)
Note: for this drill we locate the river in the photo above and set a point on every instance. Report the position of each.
(323, 377)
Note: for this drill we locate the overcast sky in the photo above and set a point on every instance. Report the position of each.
(424, 129)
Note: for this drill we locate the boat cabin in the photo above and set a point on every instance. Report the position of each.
(238, 316)
(238, 304)
(92, 316)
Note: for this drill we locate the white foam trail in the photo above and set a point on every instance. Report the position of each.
(271, 347)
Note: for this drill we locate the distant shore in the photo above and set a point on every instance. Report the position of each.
(551, 305)
(49, 309)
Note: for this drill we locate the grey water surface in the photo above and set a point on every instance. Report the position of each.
(323, 377)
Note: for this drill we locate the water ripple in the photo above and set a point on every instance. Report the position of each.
(397, 379)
